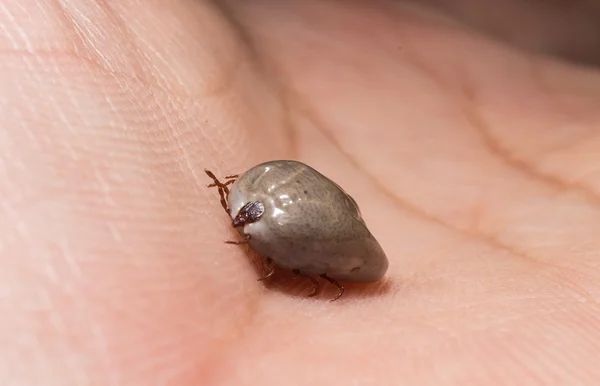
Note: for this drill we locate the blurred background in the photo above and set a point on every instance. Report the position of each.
(566, 28)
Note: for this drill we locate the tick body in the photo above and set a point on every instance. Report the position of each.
(302, 221)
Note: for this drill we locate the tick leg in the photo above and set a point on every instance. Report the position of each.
(222, 187)
(216, 181)
(269, 264)
(335, 283)
(224, 200)
(312, 279)
(213, 177)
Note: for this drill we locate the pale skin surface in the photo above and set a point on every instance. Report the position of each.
(475, 164)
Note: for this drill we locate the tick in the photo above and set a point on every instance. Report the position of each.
(298, 219)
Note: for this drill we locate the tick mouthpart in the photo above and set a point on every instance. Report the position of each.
(251, 212)
(239, 221)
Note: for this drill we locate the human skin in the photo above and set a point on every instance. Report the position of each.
(474, 161)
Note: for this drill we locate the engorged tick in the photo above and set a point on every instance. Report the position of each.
(316, 231)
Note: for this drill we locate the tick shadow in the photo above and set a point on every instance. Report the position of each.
(299, 286)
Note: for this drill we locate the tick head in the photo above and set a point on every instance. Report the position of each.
(251, 212)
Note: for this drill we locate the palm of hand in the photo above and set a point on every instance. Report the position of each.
(466, 157)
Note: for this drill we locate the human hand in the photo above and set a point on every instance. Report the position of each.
(473, 161)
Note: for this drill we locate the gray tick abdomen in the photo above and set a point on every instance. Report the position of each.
(309, 223)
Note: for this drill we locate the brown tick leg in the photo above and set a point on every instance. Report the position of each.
(211, 175)
(312, 279)
(269, 264)
(216, 181)
(335, 283)
(224, 195)
(222, 187)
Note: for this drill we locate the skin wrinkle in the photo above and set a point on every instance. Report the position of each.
(489, 141)
(507, 157)
(87, 40)
(421, 66)
(264, 68)
(89, 64)
(84, 36)
(469, 96)
(245, 52)
(538, 75)
(493, 242)
(256, 297)
(189, 167)
(127, 80)
(569, 145)
(20, 30)
(218, 85)
(225, 83)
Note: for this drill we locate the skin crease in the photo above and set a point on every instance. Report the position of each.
(474, 162)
